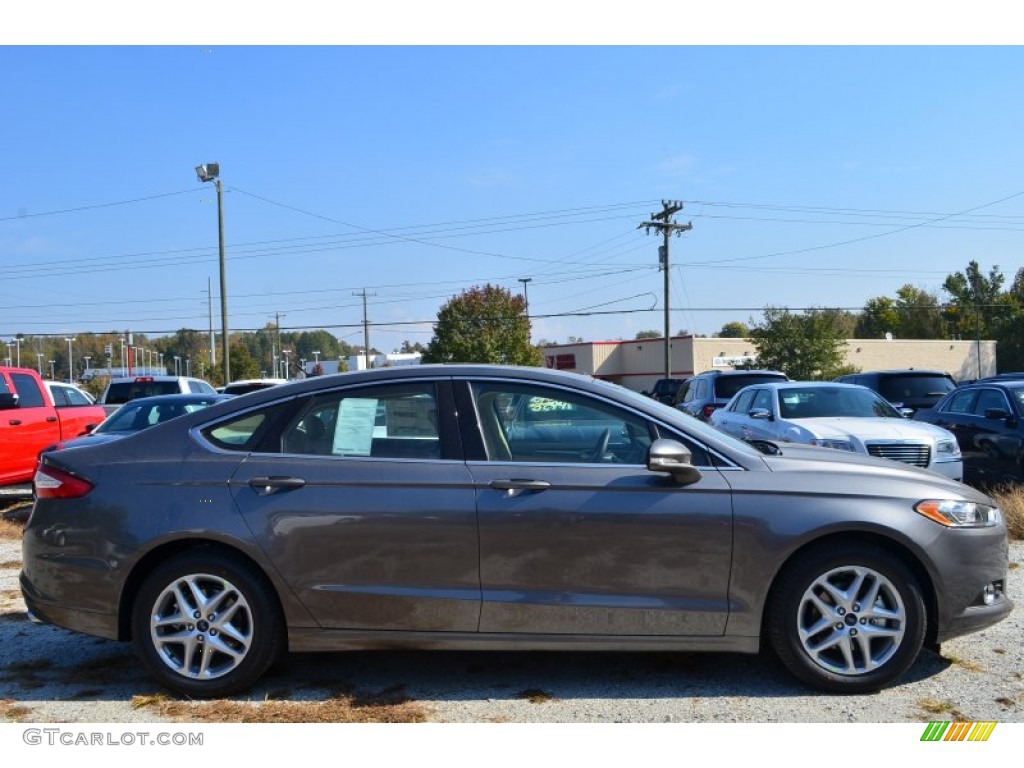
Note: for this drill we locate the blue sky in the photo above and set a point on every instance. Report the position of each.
(813, 176)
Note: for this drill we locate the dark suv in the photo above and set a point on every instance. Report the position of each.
(665, 390)
(706, 392)
(907, 389)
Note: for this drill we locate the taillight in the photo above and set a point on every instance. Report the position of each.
(53, 483)
(707, 410)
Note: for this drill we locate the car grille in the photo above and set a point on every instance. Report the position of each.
(917, 454)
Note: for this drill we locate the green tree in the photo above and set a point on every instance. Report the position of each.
(805, 347)
(734, 330)
(878, 318)
(976, 301)
(649, 335)
(483, 325)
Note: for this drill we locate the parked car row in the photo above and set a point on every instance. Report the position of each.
(973, 431)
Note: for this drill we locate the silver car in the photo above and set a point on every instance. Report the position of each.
(846, 417)
(488, 507)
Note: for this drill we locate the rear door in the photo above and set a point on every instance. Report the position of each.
(362, 501)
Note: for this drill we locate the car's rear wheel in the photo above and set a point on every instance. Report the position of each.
(206, 624)
(848, 619)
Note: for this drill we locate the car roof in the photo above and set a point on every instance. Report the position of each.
(900, 372)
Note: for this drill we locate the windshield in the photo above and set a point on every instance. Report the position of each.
(823, 402)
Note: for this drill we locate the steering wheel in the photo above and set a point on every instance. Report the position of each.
(602, 446)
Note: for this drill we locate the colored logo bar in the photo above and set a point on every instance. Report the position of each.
(941, 730)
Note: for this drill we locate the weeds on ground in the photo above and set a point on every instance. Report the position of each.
(10, 530)
(13, 711)
(1010, 499)
(948, 709)
(386, 707)
(536, 696)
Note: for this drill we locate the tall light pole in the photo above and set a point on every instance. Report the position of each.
(211, 172)
(53, 372)
(87, 358)
(177, 365)
(71, 361)
(162, 369)
(39, 362)
(17, 342)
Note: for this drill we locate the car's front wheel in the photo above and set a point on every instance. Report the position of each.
(205, 624)
(849, 619)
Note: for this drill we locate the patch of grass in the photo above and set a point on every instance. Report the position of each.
(11, 564)
(535, 696)
(11, 530)
(382, 707)
(12, 710)
(970, 666)
(1010, 498)
(939, 707)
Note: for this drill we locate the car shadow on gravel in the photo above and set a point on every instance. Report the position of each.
(43, 663)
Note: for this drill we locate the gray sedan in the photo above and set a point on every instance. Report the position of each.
(478, 507)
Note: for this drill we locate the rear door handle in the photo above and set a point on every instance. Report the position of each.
(267, 485)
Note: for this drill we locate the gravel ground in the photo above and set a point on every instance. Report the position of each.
(50, 675)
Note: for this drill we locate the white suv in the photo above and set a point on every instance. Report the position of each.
(122, 390)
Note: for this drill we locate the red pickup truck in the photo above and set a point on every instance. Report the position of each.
(29, 422)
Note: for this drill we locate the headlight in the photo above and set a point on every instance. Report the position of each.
(947, 448)
(839, 445)
(959, 514)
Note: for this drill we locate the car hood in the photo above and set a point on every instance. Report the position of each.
(867, 428)
(841, 469)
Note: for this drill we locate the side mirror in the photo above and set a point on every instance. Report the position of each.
(672, 457)
(996, 413)
(8, 400)
(761, 413)
(906, 412)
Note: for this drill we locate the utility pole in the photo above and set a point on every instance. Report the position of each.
(664, 223)
(526, 298)
(366, 328)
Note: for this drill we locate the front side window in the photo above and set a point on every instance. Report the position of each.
(537, 424)
(990, 399)
(763, 399)
(29, 395)
(743, 400)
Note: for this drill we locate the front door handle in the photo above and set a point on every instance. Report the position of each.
(513, 485)
(267, 485)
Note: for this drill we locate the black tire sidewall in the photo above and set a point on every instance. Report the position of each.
(785, 604)
(267, 643)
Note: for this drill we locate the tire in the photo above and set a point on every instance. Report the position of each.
(847, 620)
(207, 624)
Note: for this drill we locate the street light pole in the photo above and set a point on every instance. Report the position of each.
(39, 362)
(17, 342)
(211, 172)
(71, 361)
(53, 372)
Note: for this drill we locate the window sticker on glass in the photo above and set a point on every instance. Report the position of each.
(353, 434)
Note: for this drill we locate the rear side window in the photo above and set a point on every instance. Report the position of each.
(126, 391)
(201, 387)
(727, 386)
(29, 394)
